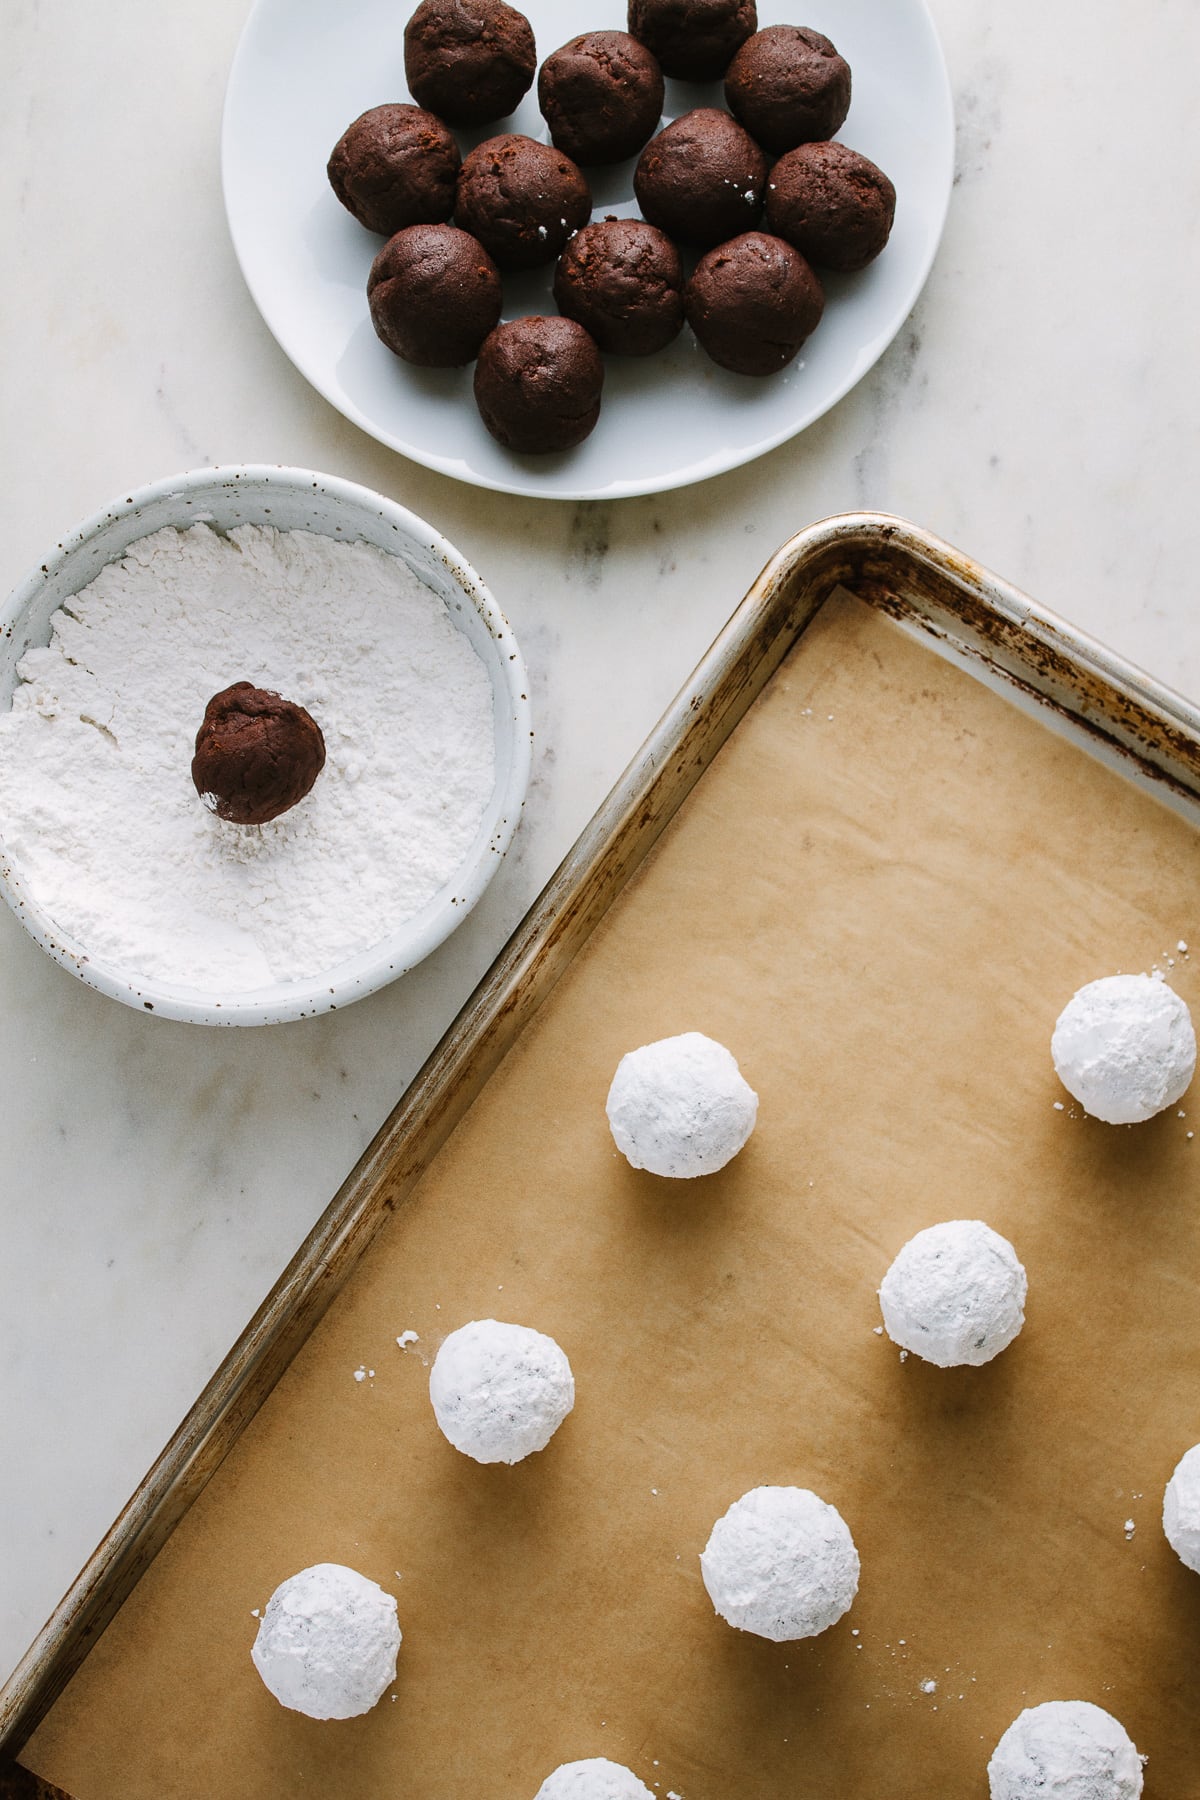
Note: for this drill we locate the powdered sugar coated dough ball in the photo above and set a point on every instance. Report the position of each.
(1124, 1047)
(1181, 1509)
(593, 1779)
(780, 1563)
(680, 1106)
(955, 1294)
(1068, 1748)
(500, 1391)
(327, 1642)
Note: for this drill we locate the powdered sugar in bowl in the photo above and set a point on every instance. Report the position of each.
(297, 585)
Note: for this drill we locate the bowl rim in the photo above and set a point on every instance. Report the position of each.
(394, 956)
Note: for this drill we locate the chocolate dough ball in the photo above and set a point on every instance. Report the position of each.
(469, 61)
(692, 39)
(537, 384)
(395, 166)
(434, 294)
(601, 95)
(702, 179)
(622, 280)
(788, 86)
(521, 199)
(831, 204)
(256, 754)
(752, 302)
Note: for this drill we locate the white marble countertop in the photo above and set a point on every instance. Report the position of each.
(1036, 410)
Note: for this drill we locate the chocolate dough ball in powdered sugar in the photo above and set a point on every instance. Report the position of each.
(781, 1563)
(500, 1391)
(1124, 1047)
(327, 1642)
(955, 1294)
(1181, 1509)
(680, 1106)
(1067, 1748)
(593, 1779)
(257, 755)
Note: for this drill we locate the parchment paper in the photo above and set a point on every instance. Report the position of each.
(879, 897)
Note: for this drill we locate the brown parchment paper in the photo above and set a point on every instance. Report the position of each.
(879, 897)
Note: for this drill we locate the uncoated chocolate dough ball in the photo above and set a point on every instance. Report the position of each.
(788, 86)
(702, 179)
(831, 204)
(469, 61)
(692, 39)
(256, 754)
(395, 166)
(521, 199)
(537, 384)
(622, 280)
(601, 95)
(434, 294)
(752, 302)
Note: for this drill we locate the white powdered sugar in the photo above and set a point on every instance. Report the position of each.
(1124, 1047)
(1068, 1748)
(593, 1779)
(955, 1294)
(97, 808)
(680, 1107)
(780, 1563)
(500, 1391)
(1181, 1509)
(327, 1642)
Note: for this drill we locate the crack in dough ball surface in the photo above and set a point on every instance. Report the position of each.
(500, 1391)
(1068, 1748)
(593, 1779)
(680, 1106)
(1124, 1047)
(781, 1563)
(327, 1642)
(1181, 1509)
(955, 1294)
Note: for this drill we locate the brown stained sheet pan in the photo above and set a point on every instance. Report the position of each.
(879, 896)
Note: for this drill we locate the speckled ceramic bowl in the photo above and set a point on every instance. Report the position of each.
(291, 499)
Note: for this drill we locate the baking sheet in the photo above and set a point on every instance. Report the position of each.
(879, 896)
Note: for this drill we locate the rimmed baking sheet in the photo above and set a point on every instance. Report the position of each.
(879, 896)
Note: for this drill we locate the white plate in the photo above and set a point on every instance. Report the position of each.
(305, 68)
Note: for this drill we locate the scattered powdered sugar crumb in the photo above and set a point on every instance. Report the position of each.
(929, 1687)
(360, 1374)
(1130, 1528)
(406, 1338)
(97, 807)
